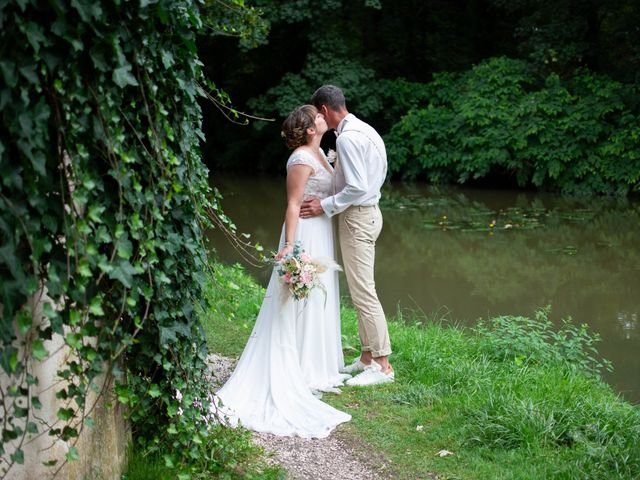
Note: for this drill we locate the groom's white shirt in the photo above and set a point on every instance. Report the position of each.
(361, 169)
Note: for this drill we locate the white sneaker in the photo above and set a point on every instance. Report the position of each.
(372, 375)
(355, 367)
(335, 390)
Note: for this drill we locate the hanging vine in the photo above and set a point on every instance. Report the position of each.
(103, 199)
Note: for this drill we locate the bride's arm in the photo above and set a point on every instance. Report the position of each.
(297, 176)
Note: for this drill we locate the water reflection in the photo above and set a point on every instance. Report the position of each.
(628, 325)
(467, 254)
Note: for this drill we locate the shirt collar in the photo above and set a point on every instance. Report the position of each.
(343, 122)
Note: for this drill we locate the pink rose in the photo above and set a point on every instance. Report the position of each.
(306, 278)
(287, 277)
(305, 258)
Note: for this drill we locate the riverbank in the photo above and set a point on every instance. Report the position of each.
(495, 402)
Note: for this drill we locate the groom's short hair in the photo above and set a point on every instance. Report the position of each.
(329, 95)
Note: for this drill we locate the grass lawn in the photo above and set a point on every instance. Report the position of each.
(512, 399)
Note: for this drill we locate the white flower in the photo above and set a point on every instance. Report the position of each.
(180, 411)
(331, 156)
(178, 395)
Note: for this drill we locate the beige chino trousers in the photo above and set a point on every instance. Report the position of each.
(359, 228)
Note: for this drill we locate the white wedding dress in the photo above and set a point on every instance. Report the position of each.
(295, 346)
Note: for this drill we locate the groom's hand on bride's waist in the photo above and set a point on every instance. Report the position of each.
(311, 208)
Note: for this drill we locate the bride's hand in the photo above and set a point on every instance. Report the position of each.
(284, 251)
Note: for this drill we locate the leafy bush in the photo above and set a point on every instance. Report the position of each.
(524, 340)
(580, 135)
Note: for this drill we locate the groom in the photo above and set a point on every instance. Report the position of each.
(361, 169)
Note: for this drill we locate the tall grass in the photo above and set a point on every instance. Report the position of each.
(514, 387)
(235, 299)
(141, 467)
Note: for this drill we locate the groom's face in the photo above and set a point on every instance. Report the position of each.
(328, 116)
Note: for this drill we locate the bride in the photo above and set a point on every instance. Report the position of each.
(295, 346)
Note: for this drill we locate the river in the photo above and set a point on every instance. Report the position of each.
(459, 254)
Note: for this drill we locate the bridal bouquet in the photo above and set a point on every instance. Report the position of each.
(300, 273)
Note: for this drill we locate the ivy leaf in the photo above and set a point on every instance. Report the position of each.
(87, 9)
(99, 60)
(13, 361)
(65, 414)
(8, 434)
(168, 461)
(20, 412)
(124, 272)
(9, 73)
(68, 433)
(169, 334)
(95, 212)
(35, 401)
(122, 76)
(167, 58)
(74, 340)
(72, 454)
(96, 306)
(125, 248)
(38, 351)
(74, 317)
(35, 36)
(84, 269)
(154, 391)
(18, 456)
(38, 161)
(92, 355)
(30, 72)
(24, 320)
(104, 265)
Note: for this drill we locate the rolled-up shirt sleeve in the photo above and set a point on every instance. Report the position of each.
(352, 163)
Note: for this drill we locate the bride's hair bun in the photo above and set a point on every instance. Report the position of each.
(294, 128)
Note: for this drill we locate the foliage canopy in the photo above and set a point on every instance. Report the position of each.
(580, 135)
(577, 62)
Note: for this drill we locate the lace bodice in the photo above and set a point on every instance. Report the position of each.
(320, 183)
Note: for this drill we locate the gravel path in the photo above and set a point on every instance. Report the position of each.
(331, 458)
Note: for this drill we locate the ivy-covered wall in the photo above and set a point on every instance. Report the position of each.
(102, 200)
